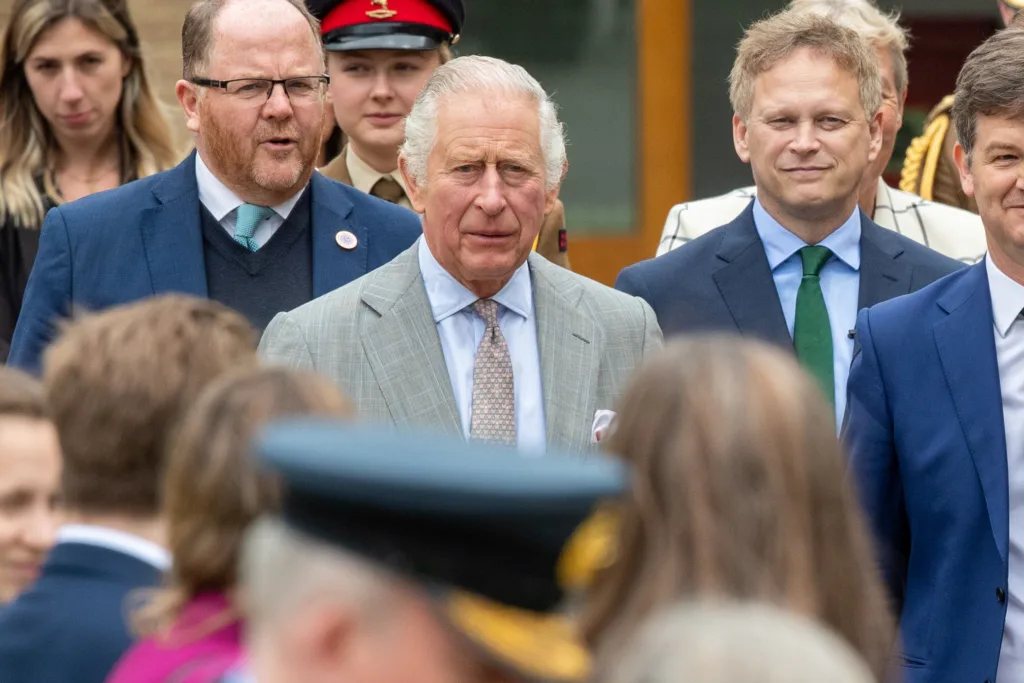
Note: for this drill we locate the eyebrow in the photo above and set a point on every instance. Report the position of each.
(1001, 147)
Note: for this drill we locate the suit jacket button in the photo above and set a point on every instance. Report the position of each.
(1001, 596)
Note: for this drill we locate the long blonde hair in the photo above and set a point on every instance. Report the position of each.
(739, 492)
(27, 146)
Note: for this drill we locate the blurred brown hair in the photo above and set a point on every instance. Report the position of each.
(117, 383)
(739, 492)
(21, 395)
(214, 489)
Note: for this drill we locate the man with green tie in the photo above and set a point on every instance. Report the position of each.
(799, 262)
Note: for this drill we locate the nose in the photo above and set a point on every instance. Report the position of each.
(805, 138)
(277, 106)
(70, 89)
(491, 198)
(382, 89)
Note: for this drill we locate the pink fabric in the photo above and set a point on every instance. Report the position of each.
(180, 658)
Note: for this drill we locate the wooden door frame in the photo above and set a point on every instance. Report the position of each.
(663, 142)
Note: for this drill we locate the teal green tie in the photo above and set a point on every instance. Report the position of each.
(247, 219)
(812, 332)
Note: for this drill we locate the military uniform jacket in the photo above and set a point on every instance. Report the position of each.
(929, 169)
(950, 231)
(551, 241)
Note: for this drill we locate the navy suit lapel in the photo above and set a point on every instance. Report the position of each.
(172, 235)
(882, 275)
(334, 266)
(746, 284)
(966, 347)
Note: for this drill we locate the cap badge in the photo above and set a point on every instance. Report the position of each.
(346, 240)
(384, 12)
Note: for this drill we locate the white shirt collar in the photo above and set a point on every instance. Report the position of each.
(122, 542)
(219, 200)
(448, 296)
(1007, 297)
(364, 177)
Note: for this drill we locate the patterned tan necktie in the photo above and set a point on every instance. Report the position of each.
(494, 400)
(388, 189)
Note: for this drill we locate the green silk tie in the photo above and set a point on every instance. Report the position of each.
(812, 332)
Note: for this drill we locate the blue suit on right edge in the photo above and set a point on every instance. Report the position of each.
(928, 456)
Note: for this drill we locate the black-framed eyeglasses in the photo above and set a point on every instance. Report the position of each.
(259, 90)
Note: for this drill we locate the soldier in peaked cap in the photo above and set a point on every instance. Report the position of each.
(380, 55)
(928, 168)
(414, 558)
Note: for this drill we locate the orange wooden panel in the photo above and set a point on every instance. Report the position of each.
(663, 139)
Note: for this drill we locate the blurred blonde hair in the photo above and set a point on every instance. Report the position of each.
(27, 147)
(739, 492)
(213, 488)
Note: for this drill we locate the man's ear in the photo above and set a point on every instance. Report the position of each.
(551, 196)
(189, 97)
(963, 165)
(739, 138)
(875, 130)
(415, 190)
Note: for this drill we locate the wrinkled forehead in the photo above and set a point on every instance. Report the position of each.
(487, 121)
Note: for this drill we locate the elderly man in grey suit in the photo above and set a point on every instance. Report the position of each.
(468, 331)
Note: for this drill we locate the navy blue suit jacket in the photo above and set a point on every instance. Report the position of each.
(928, 455)
(145, 238)
(721, 281)
(70, 625)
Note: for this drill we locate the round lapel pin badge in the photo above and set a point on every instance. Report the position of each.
(346, 240)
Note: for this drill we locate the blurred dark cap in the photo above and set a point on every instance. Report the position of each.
(492, 534)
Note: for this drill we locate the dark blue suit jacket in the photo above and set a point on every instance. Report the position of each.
(145, 238)
(721, 281)
(928, 456)
(70, 625)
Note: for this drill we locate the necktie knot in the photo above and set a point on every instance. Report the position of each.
(388, 189)
(247, 218)
(487, 309)
(814, 259)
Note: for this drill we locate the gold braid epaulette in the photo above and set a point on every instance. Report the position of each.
(922, 157)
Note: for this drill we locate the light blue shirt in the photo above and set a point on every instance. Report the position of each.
(840, 284)
(461, 330)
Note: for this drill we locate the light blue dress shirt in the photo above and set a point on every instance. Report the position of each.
(840, 284)
(461, 330)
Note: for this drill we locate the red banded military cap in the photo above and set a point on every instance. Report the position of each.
(388, 24)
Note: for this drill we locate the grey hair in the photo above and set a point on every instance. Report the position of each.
(475, 73)
(282, 571)
(733, 643)
(880, 29)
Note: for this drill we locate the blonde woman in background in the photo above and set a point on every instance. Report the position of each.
(213, 490)
(77, 116)
(738, 493)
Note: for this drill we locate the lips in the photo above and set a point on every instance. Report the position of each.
(78, 119)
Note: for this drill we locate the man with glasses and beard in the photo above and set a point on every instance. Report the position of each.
(244, 219)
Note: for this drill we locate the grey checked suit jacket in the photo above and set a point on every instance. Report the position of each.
(376, 338)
